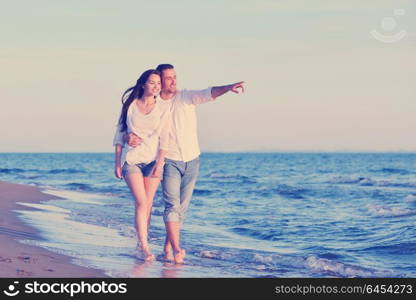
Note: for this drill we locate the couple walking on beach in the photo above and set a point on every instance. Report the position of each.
(156, 141)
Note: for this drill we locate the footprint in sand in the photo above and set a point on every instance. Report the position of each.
(5, 259)
(27, 259)
(23, 272)
(49, 270)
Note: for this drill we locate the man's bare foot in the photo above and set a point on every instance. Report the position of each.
(168, 256)
(179, 256)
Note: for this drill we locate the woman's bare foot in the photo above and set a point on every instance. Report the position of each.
(147, 255)
(179, 256)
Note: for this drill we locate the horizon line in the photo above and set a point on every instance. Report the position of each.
(242, 151)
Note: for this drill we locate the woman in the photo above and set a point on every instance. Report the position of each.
(141, 167)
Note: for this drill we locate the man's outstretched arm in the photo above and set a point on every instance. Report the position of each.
(217, 91)
(211, 93)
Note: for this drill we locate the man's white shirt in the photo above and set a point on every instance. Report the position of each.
(183, 135)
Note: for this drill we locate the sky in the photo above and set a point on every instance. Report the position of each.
(321, 75)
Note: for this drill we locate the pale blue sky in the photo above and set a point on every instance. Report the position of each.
(316, 79)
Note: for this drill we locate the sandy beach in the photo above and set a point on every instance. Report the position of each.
(21, 260)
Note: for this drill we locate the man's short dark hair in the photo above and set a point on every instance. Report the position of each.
(163, 67)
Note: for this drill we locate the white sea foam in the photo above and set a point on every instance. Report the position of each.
(278, 261)
(45, 207)
(209, 254)
(410, 198)
(125, 230)
(343, 179)
(213, 254)
(386, 211)
(78, 196)
(341, 269)
(319, 265)
(55, 226)
(263, 259)
(367, 181)
(220, 175)
(351, 180)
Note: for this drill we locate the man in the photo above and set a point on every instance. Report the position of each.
(182, 160)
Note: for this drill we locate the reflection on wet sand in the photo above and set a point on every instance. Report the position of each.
(170, 270)
(139, 269)
(151, 269)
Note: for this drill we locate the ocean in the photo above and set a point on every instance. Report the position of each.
(252, 214)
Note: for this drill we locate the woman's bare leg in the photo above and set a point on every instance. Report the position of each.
(150, 185)
(136, 184)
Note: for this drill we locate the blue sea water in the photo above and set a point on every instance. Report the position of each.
(252, 214)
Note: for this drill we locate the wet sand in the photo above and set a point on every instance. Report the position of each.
(21, 260)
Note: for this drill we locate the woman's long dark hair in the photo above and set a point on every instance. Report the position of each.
(135, 92)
